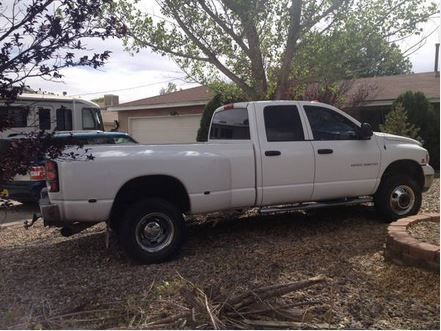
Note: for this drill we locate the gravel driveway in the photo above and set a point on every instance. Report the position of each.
(43, 274)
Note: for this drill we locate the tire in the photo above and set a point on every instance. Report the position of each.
(398, 196)
(153, 231)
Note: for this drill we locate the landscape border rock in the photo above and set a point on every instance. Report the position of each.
(403, 249)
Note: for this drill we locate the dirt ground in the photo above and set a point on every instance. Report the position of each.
(43, 275)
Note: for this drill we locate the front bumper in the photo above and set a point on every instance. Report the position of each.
(429, 174)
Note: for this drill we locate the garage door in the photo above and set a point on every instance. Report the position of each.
(165, 130)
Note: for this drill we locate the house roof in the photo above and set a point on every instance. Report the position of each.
(384, 90)
(199, 95)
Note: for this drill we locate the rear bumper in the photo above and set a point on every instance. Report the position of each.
(49, 212)
(429, 173)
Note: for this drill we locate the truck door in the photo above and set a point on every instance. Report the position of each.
(287, 158)
(345, 164)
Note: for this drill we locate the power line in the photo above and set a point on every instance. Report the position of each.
(125, 89)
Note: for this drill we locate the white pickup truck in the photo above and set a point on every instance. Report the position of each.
(259, 154)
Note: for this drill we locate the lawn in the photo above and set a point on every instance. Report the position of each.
(48, 281)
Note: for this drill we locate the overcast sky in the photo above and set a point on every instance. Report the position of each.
(143, 75)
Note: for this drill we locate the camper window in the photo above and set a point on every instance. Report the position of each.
(15, 116)
(44, 119)
(64, 119)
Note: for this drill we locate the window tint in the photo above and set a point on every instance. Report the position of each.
(91, 119)
(16, 117)
(327, 124)
(44, 119)
(282, 123)
(230, 124)
(64, 119)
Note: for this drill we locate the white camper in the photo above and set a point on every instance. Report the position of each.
(33, 112)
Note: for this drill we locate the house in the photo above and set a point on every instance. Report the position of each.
(175, 117)
(383, 90)
(169, 118)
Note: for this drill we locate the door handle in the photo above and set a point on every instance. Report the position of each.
(325, 151)
(272, 153)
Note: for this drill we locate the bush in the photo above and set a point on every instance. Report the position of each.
(397, 123)
(209, 109)
(421, 113)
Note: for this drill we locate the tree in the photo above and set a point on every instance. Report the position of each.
(38, 39)
(397, 123)
(171, 87)
(421, 113)
(255, 43)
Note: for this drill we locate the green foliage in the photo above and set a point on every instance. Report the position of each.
(171, 87)
(264, 47)
(209, 109)
(398, 123)
(422, 115)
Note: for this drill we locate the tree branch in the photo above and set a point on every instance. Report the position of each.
(212, 57)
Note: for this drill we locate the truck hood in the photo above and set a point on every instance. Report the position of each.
(392, 138)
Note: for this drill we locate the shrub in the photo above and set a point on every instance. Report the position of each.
(421, 113)
(397, 123)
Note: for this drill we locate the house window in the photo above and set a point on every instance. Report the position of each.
(64, 119)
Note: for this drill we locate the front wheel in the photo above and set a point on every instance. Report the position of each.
(153, 231)
(398, 197)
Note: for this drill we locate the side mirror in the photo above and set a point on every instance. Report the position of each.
(366, 131)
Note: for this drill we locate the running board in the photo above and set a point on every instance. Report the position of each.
(314, 205)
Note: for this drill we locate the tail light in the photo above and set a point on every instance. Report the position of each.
(52, 176)
(38, 173)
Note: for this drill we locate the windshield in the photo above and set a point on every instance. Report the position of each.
(92, 119)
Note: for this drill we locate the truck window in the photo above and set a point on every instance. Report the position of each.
(282, 123)
(64, 119)
(17, 117)
(327, 124)
(230, 124)
(91, 119)
(44, 119)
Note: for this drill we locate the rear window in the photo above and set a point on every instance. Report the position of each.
(230, 124)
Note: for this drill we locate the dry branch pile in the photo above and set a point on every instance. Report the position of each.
(257, 308)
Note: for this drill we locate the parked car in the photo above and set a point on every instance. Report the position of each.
(259, 154)
(27, 188)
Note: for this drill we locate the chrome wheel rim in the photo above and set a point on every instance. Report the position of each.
(402, 199)
(154, 232)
